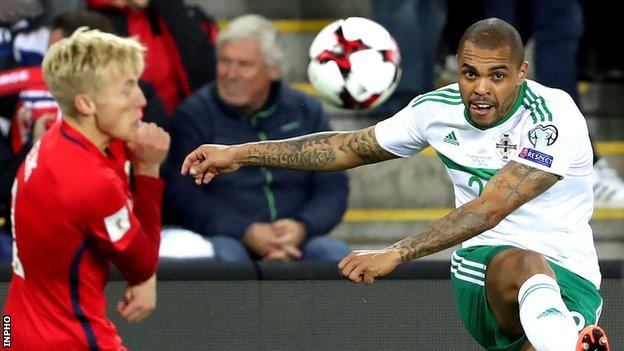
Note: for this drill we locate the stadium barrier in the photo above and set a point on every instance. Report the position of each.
(207, 305)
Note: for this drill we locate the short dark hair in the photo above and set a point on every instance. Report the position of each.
(493, 33)
(69, 21)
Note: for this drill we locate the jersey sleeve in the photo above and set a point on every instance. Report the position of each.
(402, 133)
(555, 143)
(111, 219)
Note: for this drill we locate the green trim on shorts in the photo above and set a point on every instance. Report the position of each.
(468, 267)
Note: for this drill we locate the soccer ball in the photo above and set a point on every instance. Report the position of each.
(354, 63)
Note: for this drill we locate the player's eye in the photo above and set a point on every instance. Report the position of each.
(470, 74)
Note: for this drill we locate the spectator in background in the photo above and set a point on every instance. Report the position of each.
(556, 27)
(256, 213)
(417, 26)
(74, 212)
(21, 33)
(179, 41)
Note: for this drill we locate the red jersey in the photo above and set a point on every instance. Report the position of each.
(73, 214)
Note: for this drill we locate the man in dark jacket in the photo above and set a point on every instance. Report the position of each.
(255, 213)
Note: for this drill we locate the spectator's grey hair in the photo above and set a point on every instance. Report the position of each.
(258, 29)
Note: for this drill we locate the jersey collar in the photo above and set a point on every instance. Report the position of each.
(75, 136)
(510, 113)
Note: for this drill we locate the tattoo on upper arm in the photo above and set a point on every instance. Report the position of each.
(520, 183)
(364, 145)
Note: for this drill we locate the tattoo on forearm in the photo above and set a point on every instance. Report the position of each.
(456, 227)
(321, 151)
(311, 152)
(514, 185)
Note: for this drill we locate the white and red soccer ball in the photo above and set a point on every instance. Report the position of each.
(354, 63)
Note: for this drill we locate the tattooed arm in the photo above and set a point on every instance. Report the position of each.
(326, 151)
(514, 185)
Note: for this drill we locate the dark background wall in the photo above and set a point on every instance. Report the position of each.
(314, 312)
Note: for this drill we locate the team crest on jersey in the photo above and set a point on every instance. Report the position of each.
(505, 146)
(542, 136)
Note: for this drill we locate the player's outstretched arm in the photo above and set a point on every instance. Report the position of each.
(326, 151)
(514, 185)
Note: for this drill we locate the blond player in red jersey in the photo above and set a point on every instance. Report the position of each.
(73, 212)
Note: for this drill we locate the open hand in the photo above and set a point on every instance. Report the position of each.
(207, 161)
(366, 265)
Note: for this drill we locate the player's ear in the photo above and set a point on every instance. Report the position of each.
(84, 104)
(522, 72)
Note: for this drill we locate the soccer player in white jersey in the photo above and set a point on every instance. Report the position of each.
(519, 157)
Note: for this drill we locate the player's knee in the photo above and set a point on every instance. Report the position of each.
(509, 269)
(530, 263)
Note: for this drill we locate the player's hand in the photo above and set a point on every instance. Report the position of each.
(149, 149)
(365, 265)
(207, 161)
(139, 301)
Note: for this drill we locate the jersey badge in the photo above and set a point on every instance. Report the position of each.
(117, 224)
(542, 136)
(505, 146)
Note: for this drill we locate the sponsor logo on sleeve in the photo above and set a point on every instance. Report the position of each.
(536, 156)
(117, 224)
(542, 136)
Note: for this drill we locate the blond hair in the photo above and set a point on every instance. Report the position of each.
(81, 63)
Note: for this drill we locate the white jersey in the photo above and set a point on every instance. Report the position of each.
(544, 129)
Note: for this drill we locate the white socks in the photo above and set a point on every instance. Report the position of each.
(546, 320)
